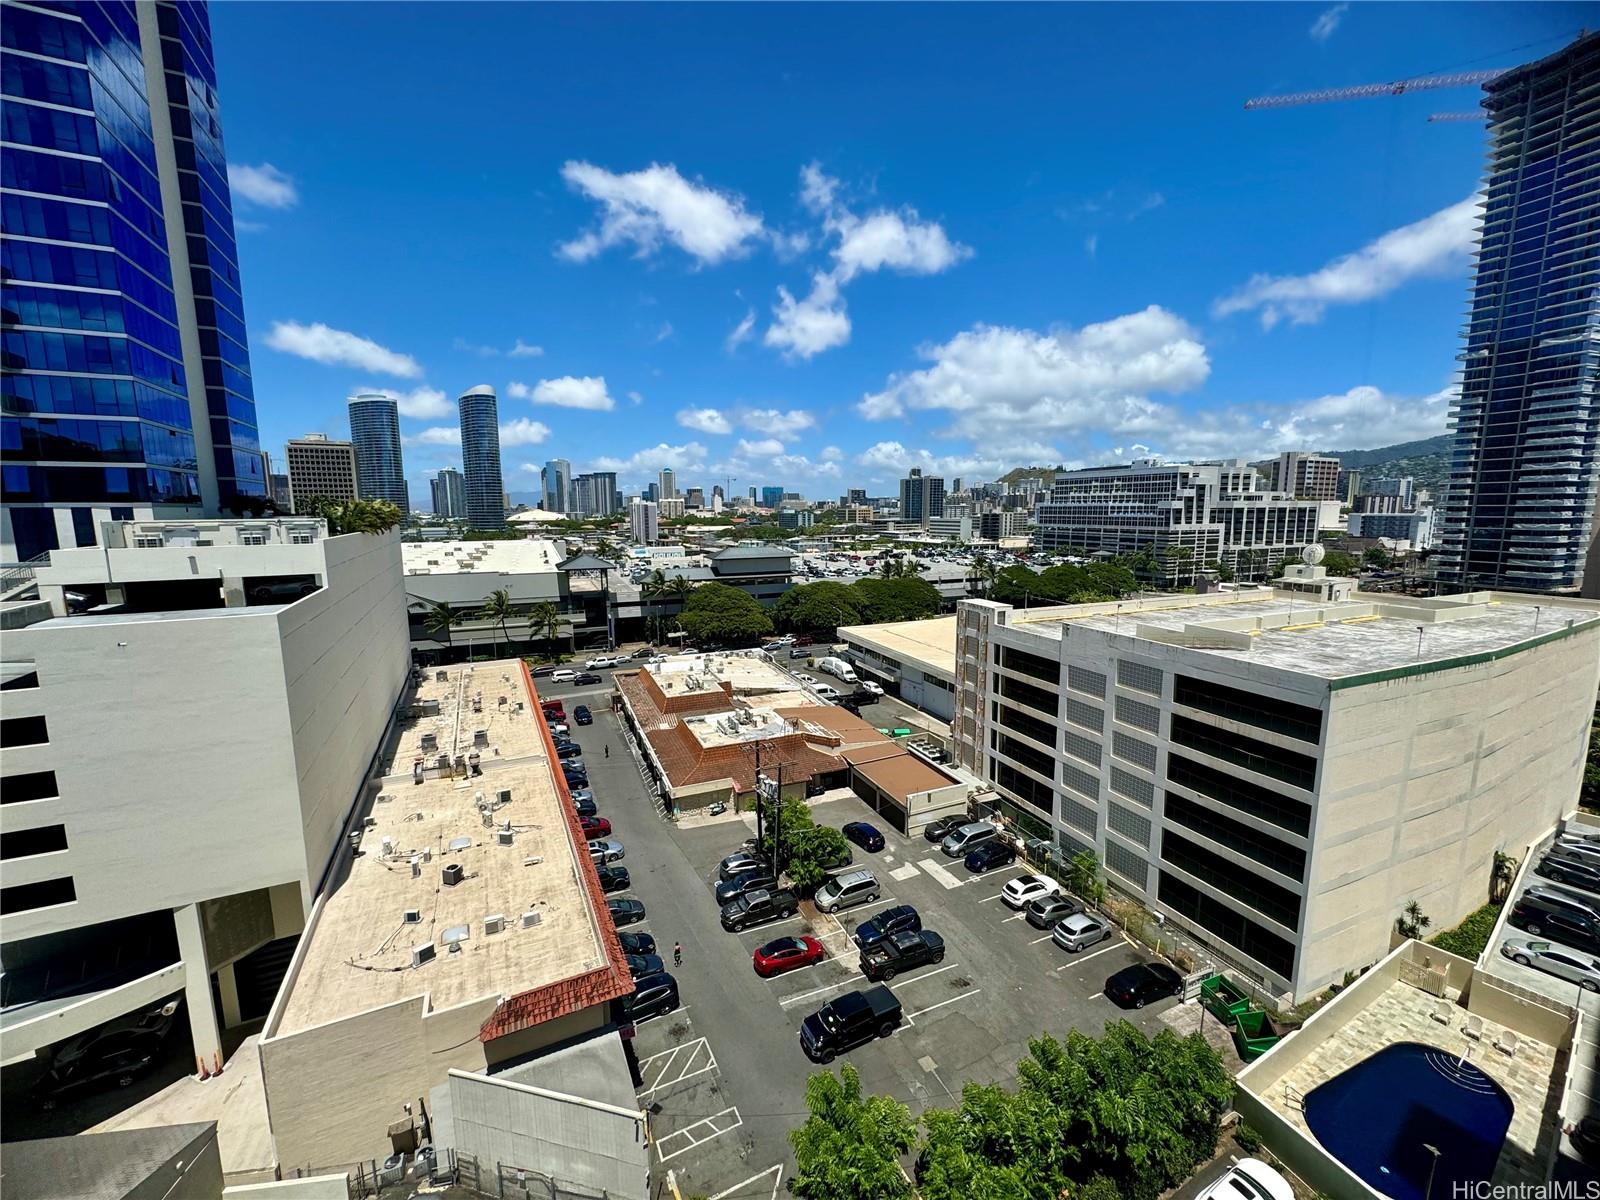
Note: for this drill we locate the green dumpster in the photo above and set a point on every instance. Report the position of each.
(1223, 999)
(1254, 1033)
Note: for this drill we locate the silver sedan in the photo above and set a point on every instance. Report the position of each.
(1554, 960)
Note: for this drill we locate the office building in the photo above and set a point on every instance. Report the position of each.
(1278, 775)
(753, 494)
(855, 496)
(1184, 515)
(670, 506)
(449, 494)
(320, 469)
(951, 529)
(694, 498)
(1403, 489)
(859, 514)
(1518, 510)
(992, 526)
(375, 434)
(921, 497)
(668, 489)
(174, 848)
(1413, 527)
(796, 518)
(480, 458)
(1302, 476)
(278, 491)
(644, 522)
(1349, 485)
(771, 497)
(557, 477)
(127, 386)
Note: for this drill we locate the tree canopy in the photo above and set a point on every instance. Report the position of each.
(895, 599)
(850, 1146)
(806, 850)
(817, 608)
(1063, 583)
(1338, 562)
(356, 516)
(716, 614)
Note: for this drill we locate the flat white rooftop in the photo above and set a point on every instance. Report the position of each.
(358, 954)
(929, 644)
(1363, 635)
(525, 556)
(747, 671)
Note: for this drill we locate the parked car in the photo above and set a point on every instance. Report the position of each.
(575, 778)
(653, 996)
(614, 879)
(759, 880)
(541, 672)
(826, 691)
(1576, 905)
(738, 863)
(564, 675)
(863, 834)
(553, 709)
(1046, 911)
(582, 716)
(757, 908)
(871, 688)
(1143, 983)
(595, 827)
(1024, 889)
(565, 750)
(799, 652)
(900, 952)
(1079, 932)
(989, 855)
(1544, 917)
(595, 664)
(624, 910)
(787, 954)
(640, 965)
(603, 851)
(847, 889)
(967, 837)
(1249, 1179)
(117, 1052)
(580, 794)
(1574, 871)
(637, 943)
(848, 1021)
(1576, 847)
(1581, 969)
(937, 831)
(897, 919)
(586, 677)
(585, 808)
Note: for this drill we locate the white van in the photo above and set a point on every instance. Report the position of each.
(968, 838)
(838, 668)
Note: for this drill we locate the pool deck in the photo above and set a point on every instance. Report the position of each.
(1404, 1013)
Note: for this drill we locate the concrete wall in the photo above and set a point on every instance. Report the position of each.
(313, 1187)
(333, 1090)
(1424, 778)
(579, 1141)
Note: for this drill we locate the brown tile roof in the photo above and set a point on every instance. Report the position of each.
(903, 776)
(609, 982)
(875, 752)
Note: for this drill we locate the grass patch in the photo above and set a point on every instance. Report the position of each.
(1469, 938)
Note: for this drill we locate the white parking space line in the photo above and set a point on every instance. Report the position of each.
(717, 1124)
(646, 1020)
(777, 1178)
(1018, 917)
(901, 874)
(985, 876)
(939, 872)
(683, 1062)
(942, 1003)
(786, 1001)
(908, 980)
(986, 899)
(1078, 958)
(1045, 938)
(769, 926)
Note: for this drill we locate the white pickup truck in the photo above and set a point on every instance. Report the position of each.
(838, 668)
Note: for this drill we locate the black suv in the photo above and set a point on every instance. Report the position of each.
(742, 884)
(900, 918)
(848, 1021)
(1547, 914)
(1574, 871)
(900, 952)
(757, 908)
(653, 996)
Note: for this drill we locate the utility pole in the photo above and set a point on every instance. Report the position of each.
(777, 818)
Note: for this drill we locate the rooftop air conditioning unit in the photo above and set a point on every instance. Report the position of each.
(503, 796)
(530, 919)
(441, 676)
(452, 875)
(480, 737)
(422, 954)
(387, 846)
(494, 923)
(505, 837)
(413, 916)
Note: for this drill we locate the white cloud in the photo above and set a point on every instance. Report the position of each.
(635, 398)
(1361, 417)
(690, 456)
(523, 432)
(336, 348)
(831, 454)
(817, 188)
(664, 332)
(891, 460)
(898, 241)
(420, 404)
(797, 466)
(1091, 244)
(265, 186)
(741, 332)
(1434, 246)
(523, 350)
(706, 420)
(1327, 22)
(569, 391)
(467, 347)
(804, 328)
(1098, 378)
(762, 448)
(776, 422)
(438, 435)
(648, 207)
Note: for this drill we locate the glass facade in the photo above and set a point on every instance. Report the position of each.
(480, 458)
(96, 396)
(1520, 502)
(375, 433)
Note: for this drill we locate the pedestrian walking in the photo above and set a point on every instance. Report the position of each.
(608, 751)
(677, 954)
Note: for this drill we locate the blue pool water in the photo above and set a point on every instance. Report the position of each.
(1376, 1117)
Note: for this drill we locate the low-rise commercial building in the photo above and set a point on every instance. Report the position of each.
(185, 736)
(1414, 528)
(1279, 774)
(914, 660)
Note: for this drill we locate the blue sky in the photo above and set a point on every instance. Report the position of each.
(813, 246)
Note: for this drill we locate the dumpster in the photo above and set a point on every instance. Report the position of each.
(1223, 999)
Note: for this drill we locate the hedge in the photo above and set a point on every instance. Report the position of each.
(1470, 937)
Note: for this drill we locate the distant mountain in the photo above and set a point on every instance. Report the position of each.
(1018, 474)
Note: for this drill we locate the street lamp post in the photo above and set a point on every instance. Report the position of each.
(1432, 1167)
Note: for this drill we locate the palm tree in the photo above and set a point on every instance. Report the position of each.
(1252, 560)
(497, 610)
(439, 618)
(652, 590)
(1183, 557)
(986, 572)
(544, 621)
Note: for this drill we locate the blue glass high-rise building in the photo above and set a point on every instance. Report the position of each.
(1520, 501)
(480, 457)
(375, 433)
(127, 385)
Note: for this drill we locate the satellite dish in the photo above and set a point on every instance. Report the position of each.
(1312, 555)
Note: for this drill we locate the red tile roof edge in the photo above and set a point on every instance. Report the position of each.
(578, 992)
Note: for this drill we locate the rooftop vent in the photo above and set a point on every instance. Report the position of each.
(455, 935)
(480, 737)
(387, 846)
(530, 919)
(503, 796)
(459, 843)
(505, 837)
(452, 875)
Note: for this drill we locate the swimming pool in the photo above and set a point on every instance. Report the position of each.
(1377, 1117)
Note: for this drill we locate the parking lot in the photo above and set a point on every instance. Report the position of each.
(724, 1074)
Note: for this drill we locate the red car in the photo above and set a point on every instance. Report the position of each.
(787, 954)
(595, 827)
(553, 708)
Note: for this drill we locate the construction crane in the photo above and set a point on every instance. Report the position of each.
(1398, 88)
(1480, 115)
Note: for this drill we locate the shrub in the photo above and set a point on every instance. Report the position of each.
(1469, 938)
(1248, 1138)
